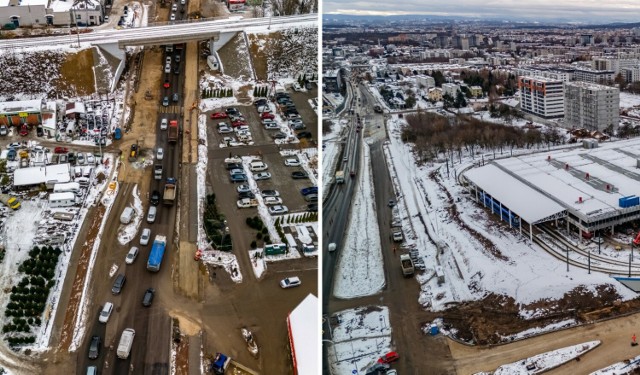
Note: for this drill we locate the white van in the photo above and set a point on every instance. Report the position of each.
(258, 166)
(126, 342)
(127, 215)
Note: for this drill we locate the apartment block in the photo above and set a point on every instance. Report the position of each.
(450, 89)
(591, 106)
(543, 97)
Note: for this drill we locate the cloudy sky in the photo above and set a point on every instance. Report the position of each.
(578, 10)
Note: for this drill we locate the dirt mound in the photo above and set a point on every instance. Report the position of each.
(497, 318)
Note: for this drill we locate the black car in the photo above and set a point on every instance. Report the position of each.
(304, 135)
(94, 347)
(232, 111)
(39, 131)
(155, 198)
(279, 135)
(71, 157)
(176, 97)
(148, 297)
(313, 207)
(259, 102)
(246, 194)
(118, 284)
(231, 166)
(298, 175)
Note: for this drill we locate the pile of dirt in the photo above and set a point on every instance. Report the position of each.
(34, 74)
(496, 318)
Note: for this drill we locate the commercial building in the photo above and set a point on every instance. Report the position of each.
(51, 12)
(594, 76)
(591, 106)
(304, 338)
(542, 97)
(332, 80)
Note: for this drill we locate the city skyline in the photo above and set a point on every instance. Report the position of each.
(539, 10)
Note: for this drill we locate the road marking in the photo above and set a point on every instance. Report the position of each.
(298, 269)
(170, 109)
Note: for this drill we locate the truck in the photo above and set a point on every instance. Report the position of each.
(157, 171)
(9, 201)
(169, 195)
(247, 203)
(126, 342)
(339, 177)
(220, 363)
(133, 154)
(407, 265)
(172, 133)
(157, 253)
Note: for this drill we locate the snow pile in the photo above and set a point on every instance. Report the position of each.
(361, 337)
(538, 330)
(258, 262)
(220, 258)
(330, 150)
(620, 368)
(360, 268)
(628, 100)
(127, 232)
(546, 361)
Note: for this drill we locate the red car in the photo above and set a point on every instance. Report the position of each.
(216, 115)
(238, 123)
(166, 84)
(389, 357)
(60, 150)
(268, 115)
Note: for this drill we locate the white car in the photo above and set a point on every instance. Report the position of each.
(247, 203)
(224, 130)
(131, 255)
(272, 200)
(278, 210)
(272, 125)
(160, 153)
(174, 8)
(173, 17)
(290, 282)
(292, 162)
(262, 176)
(91, 160)
(267, 121)
(164, 124)
(145, 236)
(106, 312)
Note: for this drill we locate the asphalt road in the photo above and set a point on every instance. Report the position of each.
(150, 353)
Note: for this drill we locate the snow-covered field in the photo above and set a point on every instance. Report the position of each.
(628, 100)
(361, 337)
(514, 266)
(546, 361)
(360, 269)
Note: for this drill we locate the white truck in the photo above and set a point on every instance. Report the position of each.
(339, 177)
(247, 203)
(407, 265)
(126, 342)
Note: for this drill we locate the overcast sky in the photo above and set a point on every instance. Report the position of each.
(578, 10)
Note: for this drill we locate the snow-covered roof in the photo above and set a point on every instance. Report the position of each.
(38, 175)
(5, 3)
(21, 106)
(61, 196)
(61, 5)
(513, 194)
(303, 335)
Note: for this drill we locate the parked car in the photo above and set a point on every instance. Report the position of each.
(231, 110)
(60, 150)
(290, 282)
(299, 175)
(132, 255)
(309, 190)
(165, 101)
(224, 130)
(238, 123)
(243, 188)
(105, 313)
(239, 178)
(259, 102)
(272, 126)
(246, 194)
(91, 160)
(236, 171)
(279, 135)
(389, 357)
(292, 162)
(164, 124)
(11, 155)
(80, 158)
(160, 153)
(312, 207)
(145, 236)
(378, 369)
(304, 135)
(278, 210)
(270, 193)
(262, 176)
(148, 297)
(217, 115)
(232, 166)
(267, 115)
(4, 130)
(94, 347)
(272, 201)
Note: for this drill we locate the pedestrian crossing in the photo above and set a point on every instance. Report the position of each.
(171, 109)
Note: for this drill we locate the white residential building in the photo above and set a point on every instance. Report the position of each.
(543, 97)
(51, 12)
(591, 106)
(426, 81)
(450, 89)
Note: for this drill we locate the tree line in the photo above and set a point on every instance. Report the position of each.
(436, 136)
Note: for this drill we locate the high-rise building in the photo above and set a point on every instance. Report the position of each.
(591, 106)
(542, 97)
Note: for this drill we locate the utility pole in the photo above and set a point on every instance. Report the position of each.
(567, 258)
(589, 262)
